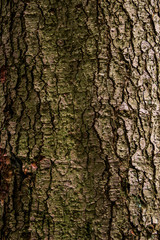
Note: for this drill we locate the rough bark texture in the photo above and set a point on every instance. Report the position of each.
(80, 119)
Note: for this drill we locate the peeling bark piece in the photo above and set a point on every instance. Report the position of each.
(3, 72)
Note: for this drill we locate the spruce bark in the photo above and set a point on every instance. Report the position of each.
(79, 119)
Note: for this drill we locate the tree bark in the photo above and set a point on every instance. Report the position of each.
(79, 119)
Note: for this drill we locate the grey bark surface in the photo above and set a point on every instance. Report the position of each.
(79, 119)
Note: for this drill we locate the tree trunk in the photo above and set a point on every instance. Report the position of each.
(80, 119)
